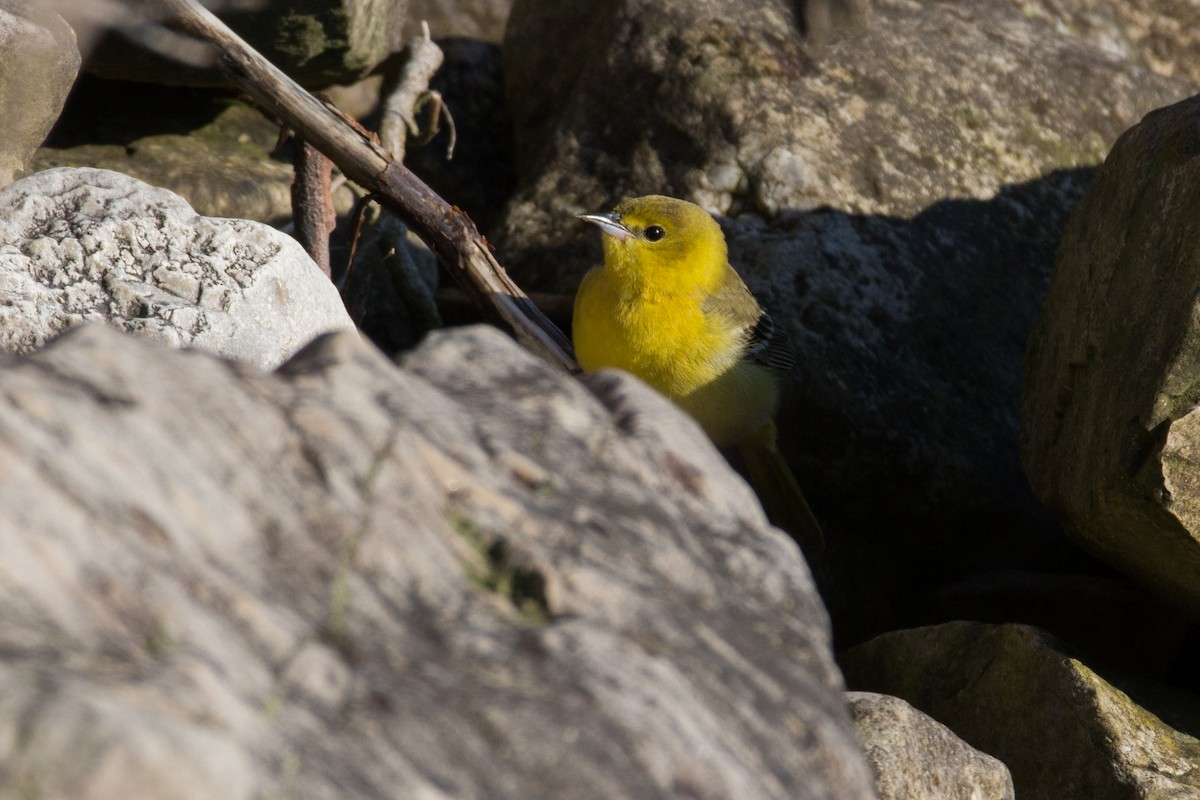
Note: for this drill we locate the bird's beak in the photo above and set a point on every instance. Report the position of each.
(609, 223)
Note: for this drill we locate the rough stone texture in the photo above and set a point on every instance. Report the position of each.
(78, 245)
(1062, 730)
(210, 148)
(1110, 422)
(466, 578)
(914, 757)
(942, 147)
(934, 100)
(473, 19)
(317, 42)
(1164, 35)
(38, 64)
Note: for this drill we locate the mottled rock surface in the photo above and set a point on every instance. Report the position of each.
(38, 64)
(1017, 694)
(316, 42)
(914, 757)
(1110, 429)
(466, 578)
(81, 244)
(895, 198)
(211, 148)
(1164, 35)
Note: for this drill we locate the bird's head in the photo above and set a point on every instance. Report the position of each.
(663, 242)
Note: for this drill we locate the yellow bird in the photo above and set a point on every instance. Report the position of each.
(666, 306)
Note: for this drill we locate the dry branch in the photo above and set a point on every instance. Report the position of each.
(445, 229)
(312, 203)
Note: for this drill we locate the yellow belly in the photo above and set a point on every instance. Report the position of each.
(670, 344)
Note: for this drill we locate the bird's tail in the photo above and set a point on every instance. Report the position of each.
(778, 490)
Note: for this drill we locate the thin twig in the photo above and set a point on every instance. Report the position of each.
(358, 217)
(447, 231)
(404, 94)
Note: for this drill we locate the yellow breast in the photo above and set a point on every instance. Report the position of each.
(668, 342)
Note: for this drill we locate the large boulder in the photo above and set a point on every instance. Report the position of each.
(895, 198)
(1019, 695)
(83, 244)
(465, 578)
(1110, 409)
(38, 64)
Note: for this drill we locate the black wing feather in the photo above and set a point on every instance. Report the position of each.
(769, 345)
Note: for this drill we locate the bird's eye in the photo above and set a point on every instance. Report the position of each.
(654, 233)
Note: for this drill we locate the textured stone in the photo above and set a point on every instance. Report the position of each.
(1164, 35)
(914, 757)
(78, 245)
(38, 64)
(1110, 425)
(316, 42)
(466, 578)
(212, 149)
(1017, 694)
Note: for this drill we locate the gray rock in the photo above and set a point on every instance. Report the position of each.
(472, 19)
(210, 148)
(1163, 35)
(464, 578)
(316, 42)
(930, 101)
(1166, 34)
(1015, 693)
(78, 245)
(914, 757)
(38, 64)
(1110, 421)
(896, 200)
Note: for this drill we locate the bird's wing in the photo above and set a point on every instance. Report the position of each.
(763, 342)
(770, 345)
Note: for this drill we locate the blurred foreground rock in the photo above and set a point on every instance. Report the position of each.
(83, 244)
(895, 198)
(1111, 432)
(38, 63)
(464, 578)
(1017, 694)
